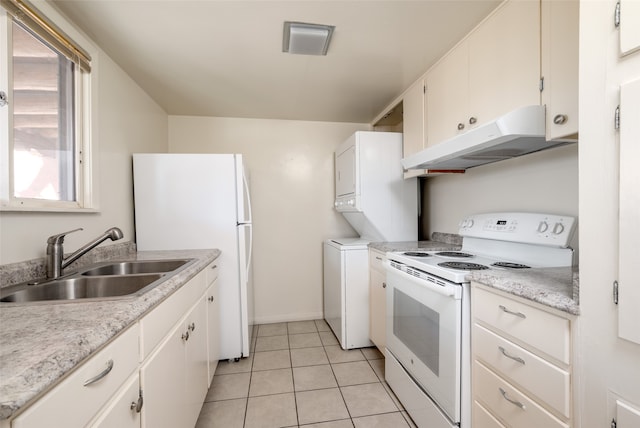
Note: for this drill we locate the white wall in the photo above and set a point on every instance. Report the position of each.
(292, 184)
(546, 181)
(609, 366)
(128, 121)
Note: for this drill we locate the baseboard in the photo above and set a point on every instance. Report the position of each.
(270, 319)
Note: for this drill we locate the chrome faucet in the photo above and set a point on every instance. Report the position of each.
(55, 260)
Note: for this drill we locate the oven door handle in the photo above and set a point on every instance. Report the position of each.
(448, 290)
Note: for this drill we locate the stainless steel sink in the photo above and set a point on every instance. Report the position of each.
(136, 267)
(102, 281)
(83, 288)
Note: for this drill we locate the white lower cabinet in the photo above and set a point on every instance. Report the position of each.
(213, 328)
(174, 378)
(522, 363)
(123, 411)
(155, 374)
(76, 400)
(377, 299)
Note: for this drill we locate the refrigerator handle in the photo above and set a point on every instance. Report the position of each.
(249, 215)
(250, 248)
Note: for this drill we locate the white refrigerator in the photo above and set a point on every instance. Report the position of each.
(202, 201)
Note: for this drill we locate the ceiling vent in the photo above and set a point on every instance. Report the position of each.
(306, 39)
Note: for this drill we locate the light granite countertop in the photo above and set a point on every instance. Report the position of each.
(42, 343)
(557, 288)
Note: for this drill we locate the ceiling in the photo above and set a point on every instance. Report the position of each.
(224, 58)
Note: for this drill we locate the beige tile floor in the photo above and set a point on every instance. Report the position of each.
(298, 376)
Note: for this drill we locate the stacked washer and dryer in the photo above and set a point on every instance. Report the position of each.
(372, 194)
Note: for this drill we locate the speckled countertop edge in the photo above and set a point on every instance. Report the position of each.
(553, 287)
(41, 343)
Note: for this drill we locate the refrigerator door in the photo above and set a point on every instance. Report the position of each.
(189, 201)
(245, 241)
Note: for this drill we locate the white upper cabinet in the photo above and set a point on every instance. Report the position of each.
(413, 119)
(448, 95)
(629, 13)
(496, 69)
(560, 67)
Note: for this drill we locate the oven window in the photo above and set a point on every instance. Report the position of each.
(418, 327)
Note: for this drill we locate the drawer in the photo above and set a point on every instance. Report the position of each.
(483, 419)
(211, 272)
(542, 379)
(524, 322)
(157, 323)
(71, 403)
(377, 260)
(510, 405)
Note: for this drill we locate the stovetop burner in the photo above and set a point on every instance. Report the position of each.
(510, 265)
(416, 254)
(456, 254)
(463, 266)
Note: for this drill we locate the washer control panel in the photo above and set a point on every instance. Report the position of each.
(530, 228)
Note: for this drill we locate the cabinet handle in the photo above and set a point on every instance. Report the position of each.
(210, 298)
(214, 267)
(560, 119)
(506, 354)
(137, 405)
(460, 126)
(185, 336)
(514, 402)
(101, 374)
(378, 258)
(473, 120)
(384, 285)
(518, 314)
(192, 326)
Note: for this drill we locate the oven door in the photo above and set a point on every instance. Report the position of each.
(424, 322)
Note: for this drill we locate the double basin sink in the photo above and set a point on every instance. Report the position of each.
(107, 280)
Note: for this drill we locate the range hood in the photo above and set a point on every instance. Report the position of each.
(517, 133)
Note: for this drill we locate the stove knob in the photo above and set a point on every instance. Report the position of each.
(543, 227)
(351, 202)
(558, 228)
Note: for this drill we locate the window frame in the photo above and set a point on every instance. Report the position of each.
(84, 109)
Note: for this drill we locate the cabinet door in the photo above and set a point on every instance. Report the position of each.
(121, 411)
(448, 95)
(378, 309)
(196, 362)
(629, 34)
(504, 62)
(213, 328)
(413, 119)
(163, 381)
(559, 22)
(345, 172)
(629, 235)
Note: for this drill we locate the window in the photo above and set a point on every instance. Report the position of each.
(45, 120)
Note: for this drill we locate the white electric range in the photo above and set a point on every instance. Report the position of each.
(428, 312)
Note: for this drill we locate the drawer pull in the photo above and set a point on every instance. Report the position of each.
(506, 354)
(192, 326)
(518, 314)
(384, 285)
(185, 336)
(514, 402)
(210, 299)
(378, 258)
(101, 374)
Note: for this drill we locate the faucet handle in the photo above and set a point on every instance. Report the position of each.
(59, 238)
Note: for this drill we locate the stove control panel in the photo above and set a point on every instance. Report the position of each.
(530, 228)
